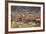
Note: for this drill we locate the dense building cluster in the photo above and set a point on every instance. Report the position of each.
(26, 16)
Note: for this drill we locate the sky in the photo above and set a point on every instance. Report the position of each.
(24, 8)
